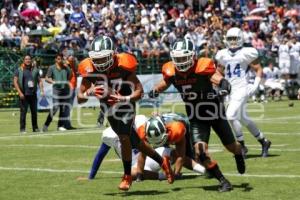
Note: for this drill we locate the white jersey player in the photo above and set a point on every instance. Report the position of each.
(235, 61)
(111, 139)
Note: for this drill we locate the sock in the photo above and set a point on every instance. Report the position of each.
(199, 169)
(216, 172)
(98, 160)
(237, 128)
(127, 167)
(254, 130)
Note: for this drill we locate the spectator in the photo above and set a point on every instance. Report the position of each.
(26, 79)
(58, 75)
(71, 62)
(272, 81)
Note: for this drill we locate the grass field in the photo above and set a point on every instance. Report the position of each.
(45, 166)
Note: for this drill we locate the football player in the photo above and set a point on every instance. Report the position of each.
(111, 78)
(194, 79)
(235, 61)
(168, 129)
(151, 168)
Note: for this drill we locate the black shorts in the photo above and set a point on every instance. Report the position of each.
(200, 131)
(121, 119)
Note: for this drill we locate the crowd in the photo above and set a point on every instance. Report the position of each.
(146, 28)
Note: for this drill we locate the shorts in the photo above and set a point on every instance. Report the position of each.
(200, 131)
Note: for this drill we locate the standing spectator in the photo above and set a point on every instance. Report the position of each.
(295, 57)
(58, 75)
(73, 84)
(26, 79)
(284, 58)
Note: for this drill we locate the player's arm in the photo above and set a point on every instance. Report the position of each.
(82, 95)
(180, 149)
(218, 79)
(138, 88)
(256, 66)
(140, 166)
(137, 91)
(158, 88)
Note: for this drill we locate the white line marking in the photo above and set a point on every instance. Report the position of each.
(51, 133)
(51, 146)
(117, 172)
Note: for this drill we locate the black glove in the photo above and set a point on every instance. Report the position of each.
(225, 88)
(153, 94)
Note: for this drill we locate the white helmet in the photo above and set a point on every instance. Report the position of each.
(182, 54)
(102, 53)
(234, 38)
(156, 132)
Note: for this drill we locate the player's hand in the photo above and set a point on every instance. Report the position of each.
(116, 98)
(225, 88)
(153, 94)
(98, 91)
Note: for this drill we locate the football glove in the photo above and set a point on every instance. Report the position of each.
(153, 94)
(225, 88)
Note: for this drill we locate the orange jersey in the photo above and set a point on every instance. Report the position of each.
(194, 84)
(175, 130)
(115, 77)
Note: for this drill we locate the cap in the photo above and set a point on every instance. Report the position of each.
(156, 5)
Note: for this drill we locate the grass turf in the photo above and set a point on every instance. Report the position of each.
(45, 166)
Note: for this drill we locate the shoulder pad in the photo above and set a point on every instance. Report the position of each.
(85, 67)
(205, 66)
(168, 70)
(127, 61)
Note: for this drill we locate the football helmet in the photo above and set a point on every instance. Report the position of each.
(156, 132)
(234, 38)
(182, 54)
(102, 53)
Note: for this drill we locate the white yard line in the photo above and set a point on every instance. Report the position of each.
(117, 172)
(51, 133)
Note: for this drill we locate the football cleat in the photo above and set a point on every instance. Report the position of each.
(244, 150)
(167, 169)
(240, 163)
(225, 185)
(265, 148)
(125, 183)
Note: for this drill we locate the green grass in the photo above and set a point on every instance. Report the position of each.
(31, 166)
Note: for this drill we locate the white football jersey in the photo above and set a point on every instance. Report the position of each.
(110, 138)
(237, 65)
(273, 74)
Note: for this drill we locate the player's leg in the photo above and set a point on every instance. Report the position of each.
(223, 130)
(251, 126)
(164, 162)
(233, 114)
(121, 123)
(109, 139)
(200, 132)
